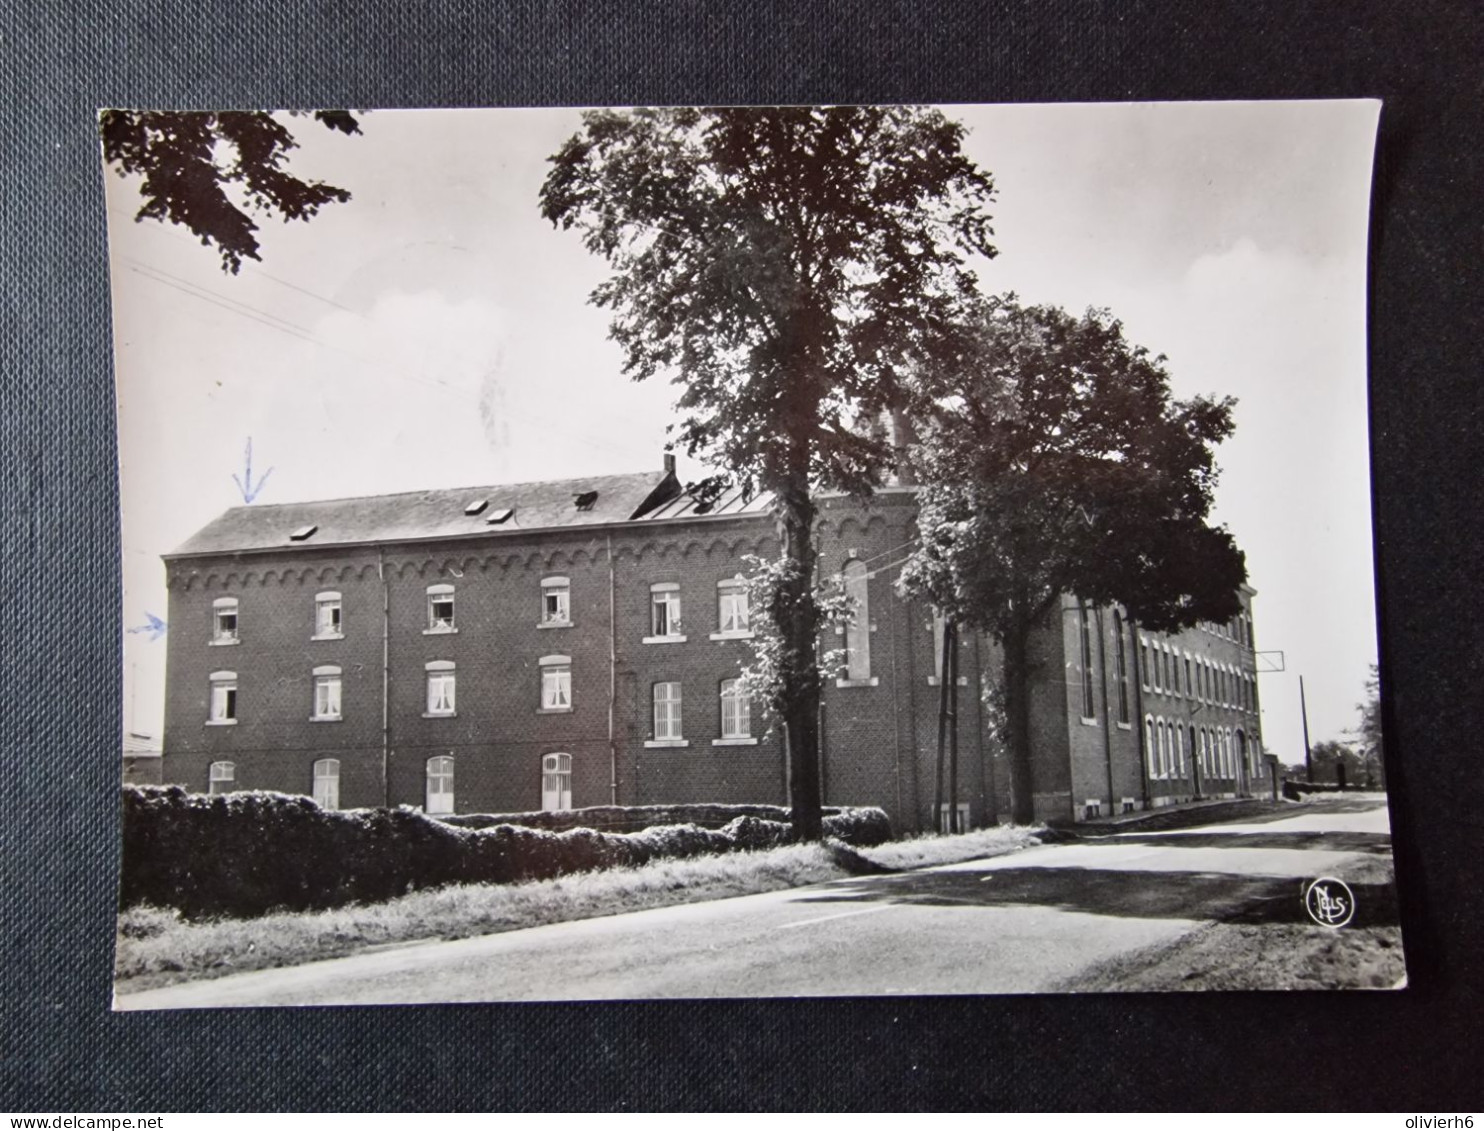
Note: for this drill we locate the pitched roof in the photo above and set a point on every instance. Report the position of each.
(417, 515)
(731, 502)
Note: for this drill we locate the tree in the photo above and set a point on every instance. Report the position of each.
(1368, 735)
(1057, 462)
(190, 160)
(784, 267)
(1326, 758)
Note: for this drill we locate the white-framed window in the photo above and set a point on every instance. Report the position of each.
(733, 617)
(858, 627)
(1084, 658)
(1189, 684)
(327, 692)
(440, 608)
(1162, 757)
(223, 708)
(1151, 752)
(736, 710)
(1177, 736)
(327, 783)
(667, 711)
(556, 602)
(224, 621)
(441, 699)
(327, 625)
(664, 611)
(1120, 660)
(439, 789)
(556, 782)
(556, 683)
(221, 778)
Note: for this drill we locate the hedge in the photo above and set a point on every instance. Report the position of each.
(244, 854)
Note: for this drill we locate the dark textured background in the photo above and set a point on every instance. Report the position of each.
(61, 1049)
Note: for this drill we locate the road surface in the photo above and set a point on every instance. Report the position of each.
(1020, 923)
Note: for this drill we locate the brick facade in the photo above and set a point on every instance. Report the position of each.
(879, 732)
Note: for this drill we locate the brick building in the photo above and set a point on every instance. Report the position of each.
(565, 644)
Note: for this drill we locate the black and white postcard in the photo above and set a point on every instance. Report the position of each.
(746, 552)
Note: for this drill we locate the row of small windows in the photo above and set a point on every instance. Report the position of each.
(1163, 669)
(733, 618)
(1168, 671)
(556, 782)
(1239, 628)
(556, 696)
(1217, 751)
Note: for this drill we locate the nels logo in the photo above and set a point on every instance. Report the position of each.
(1329, 901)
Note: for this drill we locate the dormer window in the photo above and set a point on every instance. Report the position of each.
(224, 620)
(476, 506)
(440, 608)
(500, 516)
(303, 533)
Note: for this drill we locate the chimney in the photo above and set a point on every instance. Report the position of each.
(669, 463)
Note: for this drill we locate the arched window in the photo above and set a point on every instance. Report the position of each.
(440, 608)
(1084, 655)
(664, 611)
(223, 707)
(441, 699)
(1244, 756)
(556, 782)
(327, 615)
(556, 683)
(327, 692)
(224, 620)
(1177, 745)
(1120, 660)
(1161, 759)
(222, 778)
(327, 783)
(733, 618)
(440, 784)
(667, 712)
(556, 602)
(736, 710)
(858, 627)
(1149, 747)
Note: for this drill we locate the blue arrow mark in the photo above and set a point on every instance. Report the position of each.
(245, 484)
(155, 627)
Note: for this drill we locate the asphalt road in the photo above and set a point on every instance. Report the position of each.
(1020, 923)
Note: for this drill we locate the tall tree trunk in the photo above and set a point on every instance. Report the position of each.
(796, 616)
(1016, 647)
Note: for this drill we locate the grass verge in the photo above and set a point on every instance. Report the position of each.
(156, 947)
(1269, 956)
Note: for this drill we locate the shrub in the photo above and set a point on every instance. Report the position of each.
(242, 854)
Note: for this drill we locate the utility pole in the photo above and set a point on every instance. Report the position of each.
(942, 724)
(1304, 713)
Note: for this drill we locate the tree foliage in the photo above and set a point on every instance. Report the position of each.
(206, 171)
(782, 266)
(785, 267)
(1368, 736)
(1056, 462)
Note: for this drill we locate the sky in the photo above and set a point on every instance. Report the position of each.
(435, 332)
